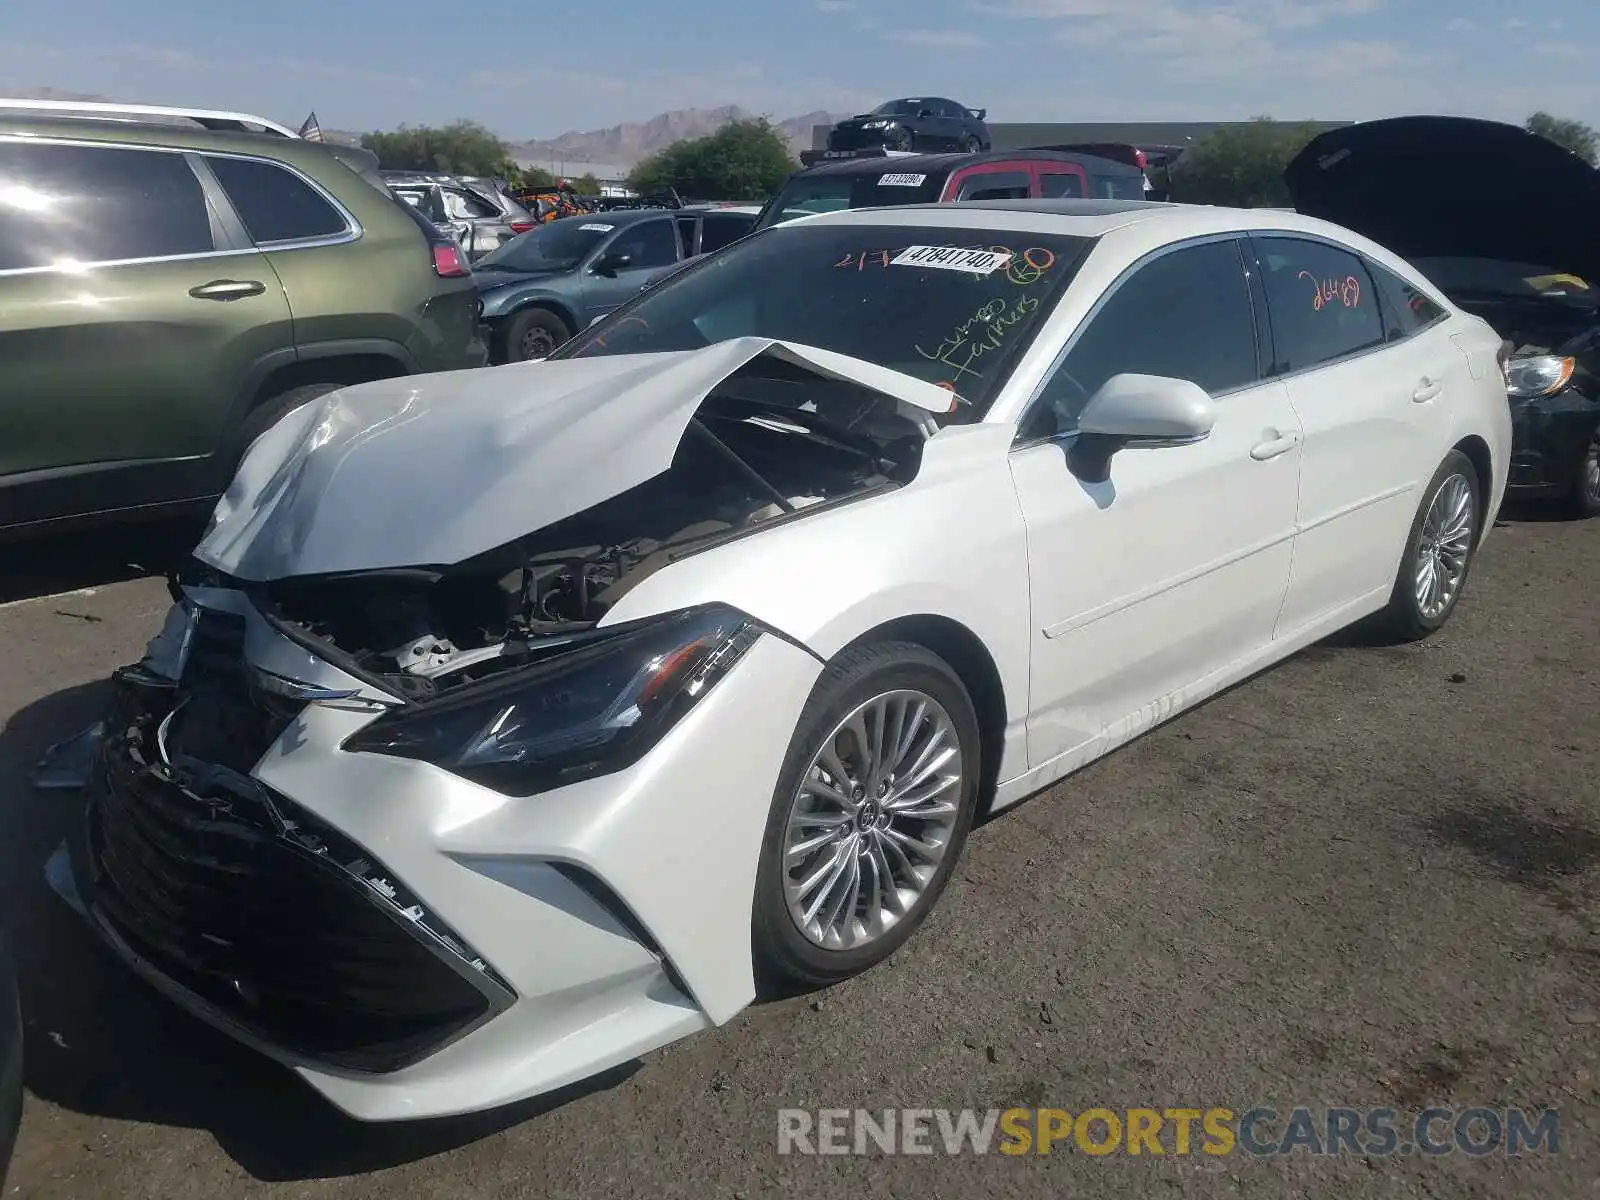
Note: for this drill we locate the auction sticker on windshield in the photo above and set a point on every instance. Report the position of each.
(902, 180)
(598, 228)
(952, 258)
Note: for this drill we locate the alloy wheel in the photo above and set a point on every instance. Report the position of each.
(872, 819)
(1589, 474)
(1444, 547)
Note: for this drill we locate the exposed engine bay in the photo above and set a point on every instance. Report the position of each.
(770, 443)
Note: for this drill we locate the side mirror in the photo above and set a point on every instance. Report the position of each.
(1138, 411)
(610, 264)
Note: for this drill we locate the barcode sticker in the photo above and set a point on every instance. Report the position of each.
(598, 228)
(902, 180)
(952, 258)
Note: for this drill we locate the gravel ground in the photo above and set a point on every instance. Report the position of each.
(1366, 878)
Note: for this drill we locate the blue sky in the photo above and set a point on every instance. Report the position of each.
(364, 64)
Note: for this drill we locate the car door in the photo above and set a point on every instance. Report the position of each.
(1371, 412)
(948, 124)
(347, 287)
(1175, 568)
(624, 266)
(130, 316)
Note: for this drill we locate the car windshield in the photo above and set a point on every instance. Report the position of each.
(900, 108)
(805, 194)
(1491, 277)
(946, 305)
(558, 246)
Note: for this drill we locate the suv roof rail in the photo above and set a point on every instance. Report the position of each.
(207, 118)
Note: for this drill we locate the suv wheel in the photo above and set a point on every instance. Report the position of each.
(1584, 499)
(273, 409)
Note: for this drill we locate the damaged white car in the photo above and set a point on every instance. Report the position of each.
(511, 723)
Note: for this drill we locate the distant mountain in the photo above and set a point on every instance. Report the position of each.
(625, 145)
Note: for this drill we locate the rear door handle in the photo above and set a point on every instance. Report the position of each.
(1426, 390)
(228, 289)
(1280, 443)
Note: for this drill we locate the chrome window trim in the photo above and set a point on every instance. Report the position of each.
(353, 229)
(1117, 285)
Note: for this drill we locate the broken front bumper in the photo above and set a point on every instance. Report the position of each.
(414, 945)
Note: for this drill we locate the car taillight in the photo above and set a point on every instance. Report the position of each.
(448, 262)
(521, 226)
(1141, 158)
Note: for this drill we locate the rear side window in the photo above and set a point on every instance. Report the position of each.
(1185, 315)
(275, 205)
(994, 185)
(459, 206)
(1054, 185)
(1322, 299)
(1405, 309)
(1119, 187)
(83, 204)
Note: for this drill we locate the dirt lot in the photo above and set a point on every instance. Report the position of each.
(1370, 877)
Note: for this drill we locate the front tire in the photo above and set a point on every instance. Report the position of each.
(1584, 499)
(533, 334)
(1439, 552)
(870, 815)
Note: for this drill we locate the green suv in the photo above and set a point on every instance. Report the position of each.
(168, 290)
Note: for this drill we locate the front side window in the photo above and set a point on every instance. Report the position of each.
(70, 205)
(647, 244)
(1406, 308)
(1322, 300)
(1185, 315)
(275, 205)
(719, 229)
(949, 306)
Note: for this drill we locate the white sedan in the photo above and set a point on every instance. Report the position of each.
(511, 723)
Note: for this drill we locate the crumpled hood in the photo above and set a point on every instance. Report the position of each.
(1454, 187)
(428, 470)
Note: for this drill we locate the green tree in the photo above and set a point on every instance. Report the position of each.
(532, 178)
(744, 160)
(461, 148)
(586, 184)
(1240, 166)
(1583, 140)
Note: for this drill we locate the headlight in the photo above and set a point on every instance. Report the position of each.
(875, 125)
(582, 711)
(1528, 378)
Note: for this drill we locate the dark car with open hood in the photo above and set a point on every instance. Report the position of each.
(1506, 224)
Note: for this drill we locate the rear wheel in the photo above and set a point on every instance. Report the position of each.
(972, 145)
(870, 815)
(273, 409)
(1438, 556)
(1584, 499)
(534, 333)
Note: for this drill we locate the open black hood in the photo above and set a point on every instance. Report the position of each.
(1454, 187)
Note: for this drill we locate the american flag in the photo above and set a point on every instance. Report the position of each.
(311, 131)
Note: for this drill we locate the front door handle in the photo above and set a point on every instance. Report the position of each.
(1426, 390)
(1278, 443)
(228, 289)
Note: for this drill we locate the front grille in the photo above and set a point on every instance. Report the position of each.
(250, 902)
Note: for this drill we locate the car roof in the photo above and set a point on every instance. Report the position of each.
(174, 136)
(1087, 219)
(619, 216)
(935, 164)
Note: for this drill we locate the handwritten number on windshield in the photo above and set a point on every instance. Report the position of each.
(859, 260)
